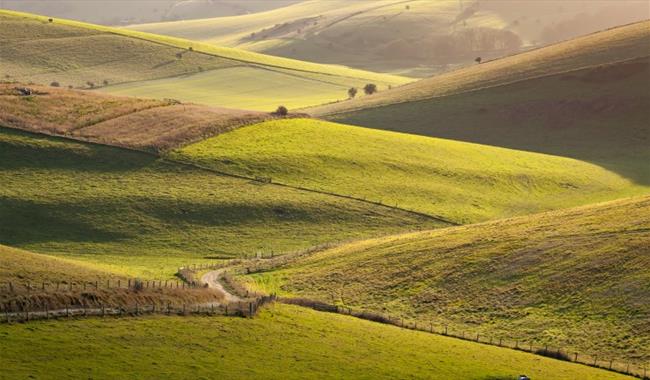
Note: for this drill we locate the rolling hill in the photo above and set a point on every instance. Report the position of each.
(574, 278)
(81, 55)
(452, 180)
(134, 214)
(606, 47)
(116, 12)
(414, 37)
(278, 344)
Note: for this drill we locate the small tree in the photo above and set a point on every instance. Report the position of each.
(105, 82)
(370, 88)
(190, 48)
(55, 84)
(282, 111)
(478, 60)
(90, 84)
(50, 20)
(352, 92)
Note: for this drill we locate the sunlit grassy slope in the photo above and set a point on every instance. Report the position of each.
(458, 181)
(284, 342)
(77, 54)
(614, 45)
(20, 267)
(243, 87)
(575, 278)
(136, 214)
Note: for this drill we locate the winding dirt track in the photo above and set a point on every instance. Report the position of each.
(212, 279)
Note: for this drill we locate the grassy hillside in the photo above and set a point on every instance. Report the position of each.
(576, 278)
(598, 115)
(135, 214)
(20, 267)
(614, 45)
(279, 344)
(84, 55)
(416, 37)
(152, 125)
(458, 181)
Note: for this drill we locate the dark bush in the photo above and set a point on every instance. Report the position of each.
(105, 82)
(282, 111)
(55, 84)
(370, 88)
(352, 92)
(50, 20)
(553, 354)
(478, 60)
(190, 48)
(90, 84)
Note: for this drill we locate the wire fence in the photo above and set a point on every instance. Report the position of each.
(244, 308)
(597, 361)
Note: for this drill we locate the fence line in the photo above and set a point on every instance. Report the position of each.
(627, 368)
(247, 308)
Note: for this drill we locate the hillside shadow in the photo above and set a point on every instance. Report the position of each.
(44, 152)
(25, 221)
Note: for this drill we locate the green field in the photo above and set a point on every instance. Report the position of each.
(245, 87)
(574, 278)
(135, 214)
(76, 54)
(458, 181)
(282, 343)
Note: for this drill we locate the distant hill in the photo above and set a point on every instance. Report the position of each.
(117, 12)
(70, 53)
(576, 278)
(412, 37)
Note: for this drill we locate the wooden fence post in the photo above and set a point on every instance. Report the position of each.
(119, 283)
(96, 285)
(168, 304)
(11, 286)
(67, 312)
(129, 284)
(250, 309)
(137, 309)
(108, 284)
(103, 311)
(575, 357)
(47, 312)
